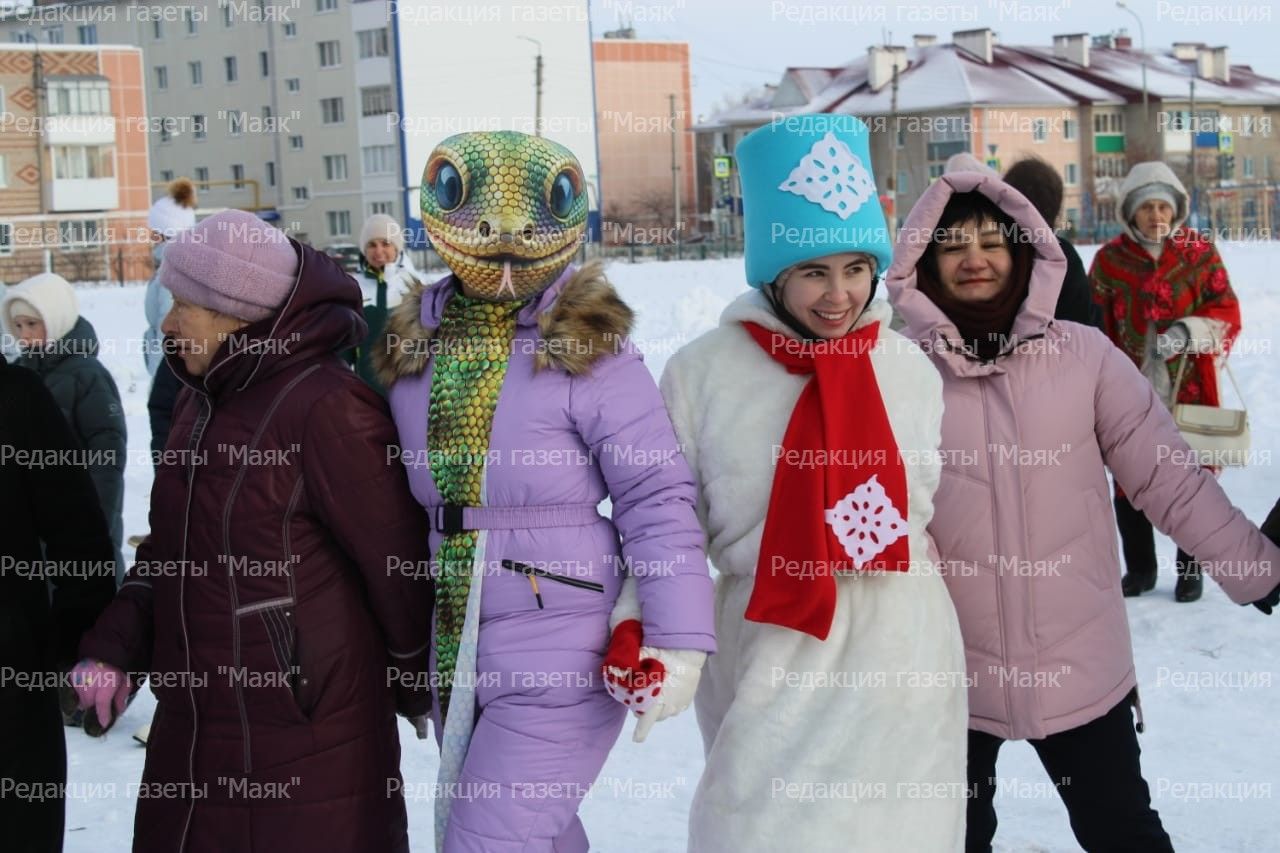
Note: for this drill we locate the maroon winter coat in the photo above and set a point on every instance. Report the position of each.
(275, 599)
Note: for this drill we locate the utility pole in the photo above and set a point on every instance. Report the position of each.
(537, 87)
(1194, 214)
(893, 155)
(675, 166)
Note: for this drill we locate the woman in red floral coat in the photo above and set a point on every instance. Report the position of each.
(1164, 295)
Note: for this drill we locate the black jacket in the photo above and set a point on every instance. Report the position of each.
(57, 573)
(1075, 301)
(87, 395)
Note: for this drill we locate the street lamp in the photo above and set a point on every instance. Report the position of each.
(1142, 40)
(537, 79)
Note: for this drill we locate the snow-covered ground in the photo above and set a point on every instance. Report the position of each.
(1208, 671)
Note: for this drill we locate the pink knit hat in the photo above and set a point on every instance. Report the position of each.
(232, 262)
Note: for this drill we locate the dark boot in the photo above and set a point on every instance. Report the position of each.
(1190, 582)
(1138, 541)
(1132, 585)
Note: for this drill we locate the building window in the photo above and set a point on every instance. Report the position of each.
(6, 238)
(291, 30)
(264, 63)
(301, 194)
(166, 175)
(227, 15)
(902, 183)
(4, 166)
(1071, 174)
(326, 6)
(935, 170)
(902, 137)
(1247, 166)
(22, 37)
(202, 174)
(372, 43)
(295, 143)
(335, 167)
(197, 73)
(166, 131)
(162, 77)
(229, 63)
(80, 98)
(157, 29)
(331, 111)
(1069, 130)
(293, 85)
(1039, 130)
(1072, 217)
(53, 35)
(271, 173)
(375, 101)
(237, 175)
(339, 223)
(235, 122)
(379, 159)
(79, 232)
(192, 24)
(200, 126)
(88, 33)
(266, 116)
(383, 207)
(330, 54)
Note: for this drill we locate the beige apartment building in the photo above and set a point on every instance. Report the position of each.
(74, 170)
(283, 108)
(1078, 104)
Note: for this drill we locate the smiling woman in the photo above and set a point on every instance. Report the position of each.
(977, 270)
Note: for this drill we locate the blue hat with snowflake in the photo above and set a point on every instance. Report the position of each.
(807, 192)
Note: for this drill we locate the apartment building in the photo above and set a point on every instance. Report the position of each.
(643, 115)
(282, 108)
(73, 163)
(1079, 104)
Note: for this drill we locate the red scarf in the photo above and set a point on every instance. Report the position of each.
(839, 493)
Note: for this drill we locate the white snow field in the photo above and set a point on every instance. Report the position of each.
(1209, 672)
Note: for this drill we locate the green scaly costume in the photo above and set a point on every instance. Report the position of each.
(506, 212)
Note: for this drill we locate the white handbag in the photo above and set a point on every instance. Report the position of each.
(1218, 435)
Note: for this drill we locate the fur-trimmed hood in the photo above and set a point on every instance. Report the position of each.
(580, 316)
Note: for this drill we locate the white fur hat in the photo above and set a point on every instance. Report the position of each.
(382, 227)
(51, 297)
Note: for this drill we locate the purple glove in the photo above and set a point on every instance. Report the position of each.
(101, 686)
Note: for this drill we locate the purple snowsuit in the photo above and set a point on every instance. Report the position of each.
(587, 426)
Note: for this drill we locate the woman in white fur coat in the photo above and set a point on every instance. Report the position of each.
(834, 714)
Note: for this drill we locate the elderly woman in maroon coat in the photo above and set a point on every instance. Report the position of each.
(276, 603)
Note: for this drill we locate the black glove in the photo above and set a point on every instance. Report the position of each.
(1266, 605)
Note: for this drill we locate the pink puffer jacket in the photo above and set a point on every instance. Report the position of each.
(1023, 519)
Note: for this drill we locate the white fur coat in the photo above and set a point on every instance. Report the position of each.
(855, 743)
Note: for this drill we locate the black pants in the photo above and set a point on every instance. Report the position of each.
(34, 761)
(1095, 769)
(1138, 541)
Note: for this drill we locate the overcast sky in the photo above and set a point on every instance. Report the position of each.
(738, 44)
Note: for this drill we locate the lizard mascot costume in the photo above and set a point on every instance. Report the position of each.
(521, 404)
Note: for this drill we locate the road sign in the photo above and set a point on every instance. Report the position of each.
(723, 165)
(1226, 143)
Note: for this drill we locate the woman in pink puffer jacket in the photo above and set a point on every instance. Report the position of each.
(1037, 410)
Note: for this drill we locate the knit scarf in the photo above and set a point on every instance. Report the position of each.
(984, 325)
(839, 485)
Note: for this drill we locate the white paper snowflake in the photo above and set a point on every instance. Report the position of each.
(866, 522)
(831, 176)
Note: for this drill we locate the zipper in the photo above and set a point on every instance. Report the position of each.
(533, 573)
(197, 436)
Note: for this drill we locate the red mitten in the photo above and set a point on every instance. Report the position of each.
(634, 681)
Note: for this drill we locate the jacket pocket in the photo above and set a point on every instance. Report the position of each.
(269, 626)
(534, 574)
